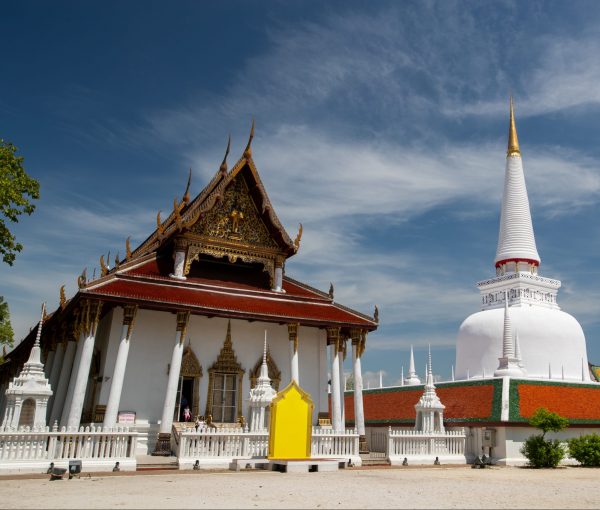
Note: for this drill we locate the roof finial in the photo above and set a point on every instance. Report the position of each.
(248, 151)
(513, 140)
(63, 298)
(223, 167)
(186, 195)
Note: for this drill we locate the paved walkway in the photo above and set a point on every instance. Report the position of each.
(412, 487)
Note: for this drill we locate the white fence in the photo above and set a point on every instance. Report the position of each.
(423, 448)
(26, 449)
(329, 444)
(218, 447)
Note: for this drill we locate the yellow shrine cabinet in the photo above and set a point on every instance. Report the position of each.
(290, 429)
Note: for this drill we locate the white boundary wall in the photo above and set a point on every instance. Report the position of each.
(217, 448)
(31, 451)
(422, 448)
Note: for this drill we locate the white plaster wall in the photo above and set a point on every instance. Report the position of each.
(545, 336)
(152, 346)
(509, 441)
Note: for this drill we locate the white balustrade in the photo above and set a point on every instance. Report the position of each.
(328, 443)
(52, 445)
(229, 443)
(425, 447)
(219, 446)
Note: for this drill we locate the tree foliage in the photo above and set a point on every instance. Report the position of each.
(17, 190)
(542, 452)
(586, 450)
(548, 421)
(6, 331)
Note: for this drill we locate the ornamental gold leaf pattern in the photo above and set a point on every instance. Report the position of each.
(235, 218)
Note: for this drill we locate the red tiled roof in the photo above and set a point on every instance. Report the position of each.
(151, 269)
(146, 285)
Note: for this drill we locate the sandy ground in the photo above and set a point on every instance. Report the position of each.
(440, 487)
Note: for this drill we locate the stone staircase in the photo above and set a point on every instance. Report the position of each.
(152, 463)
(374, 459)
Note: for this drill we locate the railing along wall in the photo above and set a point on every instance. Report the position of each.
(25, 444)
(222, 442)
(412, 443)
(232, 443)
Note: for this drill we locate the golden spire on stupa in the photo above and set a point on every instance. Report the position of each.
(513, 140)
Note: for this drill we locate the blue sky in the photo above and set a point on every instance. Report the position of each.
(381, 126)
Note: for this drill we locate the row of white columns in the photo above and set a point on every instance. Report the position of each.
(70, 366)
(337, 349)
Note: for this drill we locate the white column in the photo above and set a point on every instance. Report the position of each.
(71, 382)
(333, 338)
(293, 335)
(54, 375)
(169, 406)
(179, 265)
(85, 362)
(323, 371)
(62, 385)
(49, 362)
(359, 414)
(278, 283)
(116, 385)
(342, 384)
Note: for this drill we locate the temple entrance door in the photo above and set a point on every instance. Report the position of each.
(185, 398)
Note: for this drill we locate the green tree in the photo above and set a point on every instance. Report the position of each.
(547, 421)
(17, 190)
(586, 450)
(542, 452)
(6, 331)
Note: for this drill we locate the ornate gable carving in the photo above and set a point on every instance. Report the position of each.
(235, 219)
(190, 367)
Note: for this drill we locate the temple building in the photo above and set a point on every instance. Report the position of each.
(176, 329)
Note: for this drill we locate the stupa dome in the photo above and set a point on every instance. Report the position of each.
(547, 338)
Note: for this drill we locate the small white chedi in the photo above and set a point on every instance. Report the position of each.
(547, 336)
(430, 410)
(261, 396)
(28, 393)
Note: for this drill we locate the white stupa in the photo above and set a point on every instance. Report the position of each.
(546, 335)
(261, 396)
(28, 393)
(429, 409)
(413, 378)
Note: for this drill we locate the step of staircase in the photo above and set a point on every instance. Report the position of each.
(374, 459)
(151, 463)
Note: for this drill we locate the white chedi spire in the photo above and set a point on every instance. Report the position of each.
(430, 410)
(509, 364)
(516, 241)
(412, 378)
(261, 395)
(28, 393)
